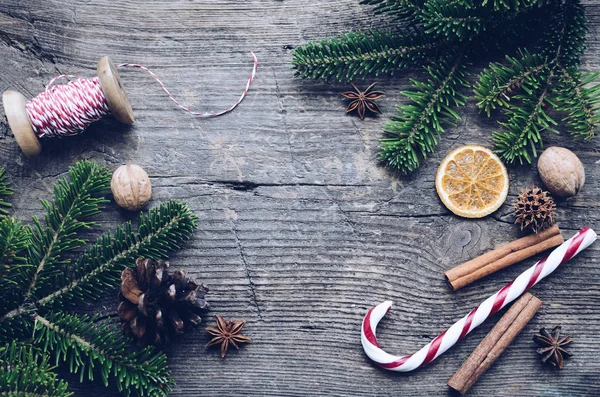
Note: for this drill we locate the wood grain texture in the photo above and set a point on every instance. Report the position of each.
(300, 230)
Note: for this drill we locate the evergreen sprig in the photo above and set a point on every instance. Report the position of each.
(99, 269)
(14, 241)
(453, 19)
(528, 88)
(526, 120)
(101, 350)
(39, 280)
(513, 5)
(563, 42)
(75, 199)
(544, 40)
(499, 81)
(579, 98)
(25, 372)
(357, 54)
(401, 9)
(5, 191)
(413, 132)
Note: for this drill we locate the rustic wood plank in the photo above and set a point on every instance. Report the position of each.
(300, 230)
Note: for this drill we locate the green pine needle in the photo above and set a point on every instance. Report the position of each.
(75, 199)
(98, 270)
(524, 87)
(499, 81)
(90, 349)
(538, 82)
(413, 132)
(5, 191)
(563, 42)
(25, 372)
(38, 280)
(14, 240)
(401, 9)
(514, 5)
(358, 54)
(522, 133)
(579, 97)
(453, 19)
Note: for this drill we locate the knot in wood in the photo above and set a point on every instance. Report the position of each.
(463, 237)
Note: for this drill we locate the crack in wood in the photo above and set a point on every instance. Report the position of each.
(246, 268)
(283, 118)
(248, 186)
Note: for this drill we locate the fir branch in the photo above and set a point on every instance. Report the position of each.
(77, 198)
(358, 54)
(159, 232)
(579, 97)
(400, 9)
(453, 19)
(563, 42)
(522, 87)
(17, 325)
(91, 349)
(414, 131)
(509, 31)
(526, 121)
(5, 191)
(14, 241)
(514, 5)
(498, 82)
(35, 287)
(26, 372)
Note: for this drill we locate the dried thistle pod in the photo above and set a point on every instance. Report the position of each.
(561, 171)
(534, 209)
(131, 187)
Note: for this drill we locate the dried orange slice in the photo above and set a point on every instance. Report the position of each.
(472, 181)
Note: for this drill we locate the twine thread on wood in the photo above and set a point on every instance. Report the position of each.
(68, 109)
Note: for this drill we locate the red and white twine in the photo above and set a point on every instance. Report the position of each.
(68, 109)
(462, 327)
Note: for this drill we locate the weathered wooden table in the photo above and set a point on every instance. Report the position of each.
(300, 230)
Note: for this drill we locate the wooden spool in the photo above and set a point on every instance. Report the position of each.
(18, 118)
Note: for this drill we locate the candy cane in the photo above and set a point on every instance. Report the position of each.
(462, 327)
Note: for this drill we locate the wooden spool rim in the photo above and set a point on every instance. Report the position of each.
(114, 92)
(18, 119)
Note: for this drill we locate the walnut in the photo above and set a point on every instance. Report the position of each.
(131, 187)
(561, 171)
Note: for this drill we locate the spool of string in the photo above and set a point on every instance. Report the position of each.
(68, 109)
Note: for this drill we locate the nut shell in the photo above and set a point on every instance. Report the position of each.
(131, 187)
(561, 171)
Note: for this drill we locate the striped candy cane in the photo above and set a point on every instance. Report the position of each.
(462, 327)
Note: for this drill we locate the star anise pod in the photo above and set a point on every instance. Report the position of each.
(363, 101)
(552, 346)
(226, 333)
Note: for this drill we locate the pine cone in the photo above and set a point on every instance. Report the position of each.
(534, 209)
(155, 305)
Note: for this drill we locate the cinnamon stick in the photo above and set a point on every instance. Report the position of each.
(502, 257)
(495, 342)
